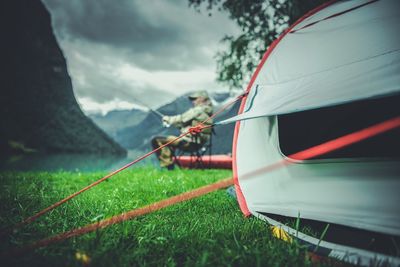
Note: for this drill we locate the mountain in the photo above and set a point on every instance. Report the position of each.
(38, 108)
(138, 137)
(116, 120)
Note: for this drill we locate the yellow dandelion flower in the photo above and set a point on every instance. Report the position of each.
(278, 232)
(82, 257)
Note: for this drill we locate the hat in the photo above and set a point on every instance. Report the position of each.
(198, 94)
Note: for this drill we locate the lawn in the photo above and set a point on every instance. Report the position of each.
(209, 230)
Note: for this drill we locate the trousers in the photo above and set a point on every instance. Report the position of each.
(166, 154)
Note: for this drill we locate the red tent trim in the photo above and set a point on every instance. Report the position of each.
(240, 197)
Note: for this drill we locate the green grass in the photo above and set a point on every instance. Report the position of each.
(207, 231)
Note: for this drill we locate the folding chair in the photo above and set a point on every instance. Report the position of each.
(195, 153)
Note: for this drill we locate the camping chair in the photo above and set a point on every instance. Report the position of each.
(196, 153)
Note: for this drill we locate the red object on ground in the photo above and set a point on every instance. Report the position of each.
(205, 162)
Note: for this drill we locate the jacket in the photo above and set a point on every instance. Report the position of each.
(193, 117)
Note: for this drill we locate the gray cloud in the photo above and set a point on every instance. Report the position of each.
(93, 70)
(153, 34)
(115, 23)
(129, 50)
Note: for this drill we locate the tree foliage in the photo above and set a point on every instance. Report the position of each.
(261, 22)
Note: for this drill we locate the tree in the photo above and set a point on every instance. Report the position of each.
(261, 22)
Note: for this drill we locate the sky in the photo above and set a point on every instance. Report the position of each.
(123, 53)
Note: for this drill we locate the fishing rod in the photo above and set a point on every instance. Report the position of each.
(159, 114)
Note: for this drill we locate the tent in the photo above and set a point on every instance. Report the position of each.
(335, 71)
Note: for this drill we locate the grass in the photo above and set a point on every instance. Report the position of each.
(207, 231)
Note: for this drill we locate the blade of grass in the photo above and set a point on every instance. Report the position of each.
(322, 237)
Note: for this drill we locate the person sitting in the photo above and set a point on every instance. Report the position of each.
(200, 113)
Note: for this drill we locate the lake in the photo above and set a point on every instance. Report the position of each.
(73, 162)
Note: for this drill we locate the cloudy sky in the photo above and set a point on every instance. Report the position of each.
(126, 52)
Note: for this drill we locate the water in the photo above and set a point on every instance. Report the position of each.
(73, 162)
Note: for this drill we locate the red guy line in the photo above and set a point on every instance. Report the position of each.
(225, 107)
(199, 127)
(324, 148)
(123, 217)
(55, 205)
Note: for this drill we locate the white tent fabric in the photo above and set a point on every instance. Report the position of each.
(359, 193)
(349, 57)
(353, 56)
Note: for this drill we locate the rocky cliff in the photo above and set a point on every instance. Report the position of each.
(37, 104)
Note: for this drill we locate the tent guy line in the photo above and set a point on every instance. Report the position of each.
(193, 130)
(122, 217)
(323, 148)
